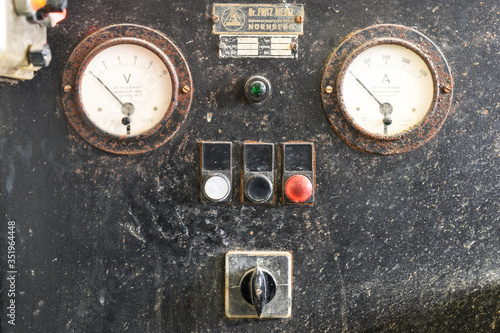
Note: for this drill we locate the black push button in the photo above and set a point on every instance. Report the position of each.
(258, 188)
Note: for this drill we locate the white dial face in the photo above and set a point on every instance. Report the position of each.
(387, 90)
(126, 90)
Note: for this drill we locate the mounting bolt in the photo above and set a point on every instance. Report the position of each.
(299, 19)
(40, 56)
(446, 89)
(328, 89)
(186, 89)
(215, 19)
(67, 89)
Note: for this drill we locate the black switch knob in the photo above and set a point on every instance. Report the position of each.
(258, 188)
(258, 287)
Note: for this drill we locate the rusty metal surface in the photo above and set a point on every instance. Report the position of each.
(182, 88)
(122, 243)
(343, 56)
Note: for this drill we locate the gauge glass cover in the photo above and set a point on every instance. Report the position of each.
(387, 90)
(125, 90)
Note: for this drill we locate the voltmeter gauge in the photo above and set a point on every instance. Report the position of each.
(127, 89)
(387, 89)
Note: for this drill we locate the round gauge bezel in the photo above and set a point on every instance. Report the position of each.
(159, 44)
(131, 41)
(354, 55)
(353, 46)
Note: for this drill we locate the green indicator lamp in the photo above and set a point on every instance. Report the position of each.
(257, 89)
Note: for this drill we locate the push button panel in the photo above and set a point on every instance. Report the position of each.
(258, 173)
(216, 171)
(298, 173)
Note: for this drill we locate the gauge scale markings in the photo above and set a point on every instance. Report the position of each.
(402, 94)
(134, 103)
(133, 85)
(382, 95)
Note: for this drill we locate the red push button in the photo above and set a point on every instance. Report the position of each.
(298, 188)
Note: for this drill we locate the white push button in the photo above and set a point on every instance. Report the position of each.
(216, 188)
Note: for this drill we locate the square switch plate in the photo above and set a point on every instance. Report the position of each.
(216, 168)
(258, 162)
(299, 159)
(278, 263)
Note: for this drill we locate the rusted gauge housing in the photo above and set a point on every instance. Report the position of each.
(336, 70)
(160, 45)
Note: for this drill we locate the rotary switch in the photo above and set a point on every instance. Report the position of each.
(258, 288)
(258, 284)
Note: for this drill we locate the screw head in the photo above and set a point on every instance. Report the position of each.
(299, 19)
(186, 89)
(215, 19)
(446, 89)
(328, 89)
(67, 88)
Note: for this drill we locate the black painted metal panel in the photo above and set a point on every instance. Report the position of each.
(109, 243)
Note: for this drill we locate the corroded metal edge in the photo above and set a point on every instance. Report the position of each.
(371, 36)
(182, 88)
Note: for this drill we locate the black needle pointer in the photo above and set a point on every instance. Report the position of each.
(127, 108)
(368, 91)
(385, 108)
(105, 86)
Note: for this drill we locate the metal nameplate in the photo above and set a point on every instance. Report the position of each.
(262, 19)
(258, 46)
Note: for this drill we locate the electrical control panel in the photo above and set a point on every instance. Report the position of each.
(251, 166)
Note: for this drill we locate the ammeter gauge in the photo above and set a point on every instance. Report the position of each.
(387, 89)
(127, 89)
